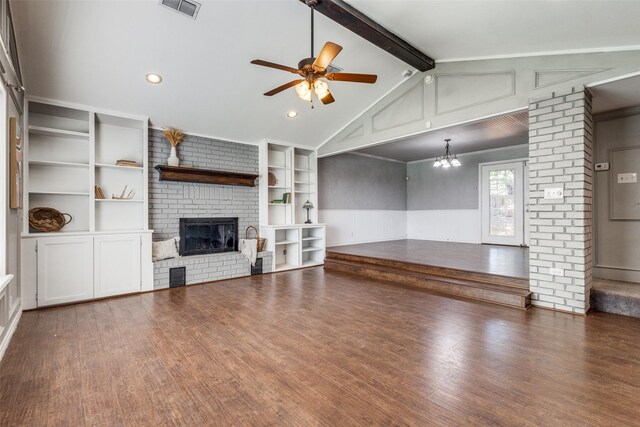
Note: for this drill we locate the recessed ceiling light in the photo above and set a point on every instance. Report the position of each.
(292, 114)
(154, 78)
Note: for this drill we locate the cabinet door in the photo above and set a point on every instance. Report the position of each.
(65, 270)
(117, 265)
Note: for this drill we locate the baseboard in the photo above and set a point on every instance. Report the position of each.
(10, 330)
(618, 274)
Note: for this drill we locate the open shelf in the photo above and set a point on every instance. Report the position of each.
(309, 238)
(60, 193)
(287, 242)
(60, 164)
(311, 263)
(120, 200)
(277, 167)
(58, 132)
(283, 267)
(311, 249)
(108, 166)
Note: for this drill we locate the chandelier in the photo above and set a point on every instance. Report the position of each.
(448, 159)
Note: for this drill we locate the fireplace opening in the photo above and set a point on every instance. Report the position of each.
(208, 235)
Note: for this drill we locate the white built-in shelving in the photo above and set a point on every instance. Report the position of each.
(294, 244)
(70, 149)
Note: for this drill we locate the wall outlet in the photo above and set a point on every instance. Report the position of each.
(556, 271)
(602, 166)
(627, 178)
(554, 193)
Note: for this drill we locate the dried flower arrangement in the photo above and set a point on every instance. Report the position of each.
(174, 136)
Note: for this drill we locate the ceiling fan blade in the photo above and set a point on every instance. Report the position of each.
(352, 77)
(327, 54)
(283, 87)
(328, 99)
(276, 66)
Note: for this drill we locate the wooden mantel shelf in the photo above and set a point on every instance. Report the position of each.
(205, 176)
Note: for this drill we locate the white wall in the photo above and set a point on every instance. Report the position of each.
(10, 295)
(451, 225)
(346, 227)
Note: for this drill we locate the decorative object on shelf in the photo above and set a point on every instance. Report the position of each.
(261, 240)
(175, 137)
(128, 163)
(307, 205)
(48, 219)
(206, 176)
(277, 201)
(124, 195)
(99, 193)
(272, 179)
(15, 164)
(448, 159)
(286, 198)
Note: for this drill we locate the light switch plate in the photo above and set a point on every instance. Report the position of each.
(554, 193)
(627, 178)
(602, 166)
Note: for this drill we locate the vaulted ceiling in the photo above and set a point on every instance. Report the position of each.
(97, 52)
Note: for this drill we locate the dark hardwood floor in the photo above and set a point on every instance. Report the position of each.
(310, 347)
(510, 261)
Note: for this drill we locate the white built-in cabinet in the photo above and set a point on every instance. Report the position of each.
(65, 269)
(293, 243)
(106, 248)
(116, 266)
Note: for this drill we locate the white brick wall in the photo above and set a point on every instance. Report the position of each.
(560, 155)
(206, 268)
(169, 201)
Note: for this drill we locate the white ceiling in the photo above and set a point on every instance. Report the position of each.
(454, 29)
(97, 52)
(616, 95)
(494, 132)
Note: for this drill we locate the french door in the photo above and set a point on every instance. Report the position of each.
(504, 199)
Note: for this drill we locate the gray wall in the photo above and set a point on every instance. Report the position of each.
(169, 200)
(617, 242)
(354, 182)
(432, 188)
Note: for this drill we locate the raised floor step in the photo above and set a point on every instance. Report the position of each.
(615, 297)
(513, 292)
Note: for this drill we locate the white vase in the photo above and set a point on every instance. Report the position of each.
(173, 159)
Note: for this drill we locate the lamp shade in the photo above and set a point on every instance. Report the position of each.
(307, 205)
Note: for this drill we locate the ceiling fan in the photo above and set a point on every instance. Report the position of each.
(313, 70)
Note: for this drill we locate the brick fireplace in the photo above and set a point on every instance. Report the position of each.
(169, 201)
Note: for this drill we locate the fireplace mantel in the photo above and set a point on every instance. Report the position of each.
(205, 176)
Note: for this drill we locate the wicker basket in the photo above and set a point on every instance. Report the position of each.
(48, 219)
(261, 240)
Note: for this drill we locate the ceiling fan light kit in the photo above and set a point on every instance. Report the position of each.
(313, 70)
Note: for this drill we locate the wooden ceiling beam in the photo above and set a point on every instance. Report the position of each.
(359, 23)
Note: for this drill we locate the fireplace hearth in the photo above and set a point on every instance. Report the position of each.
(208, 235)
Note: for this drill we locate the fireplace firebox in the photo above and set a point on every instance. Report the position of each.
(208, 235)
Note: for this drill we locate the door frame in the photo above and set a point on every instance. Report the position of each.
(525, 197)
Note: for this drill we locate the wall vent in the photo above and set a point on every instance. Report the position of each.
(185, 7)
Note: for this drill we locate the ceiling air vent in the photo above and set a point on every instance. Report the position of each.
(186, 7)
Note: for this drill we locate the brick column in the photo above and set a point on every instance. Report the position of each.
(560, 156)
